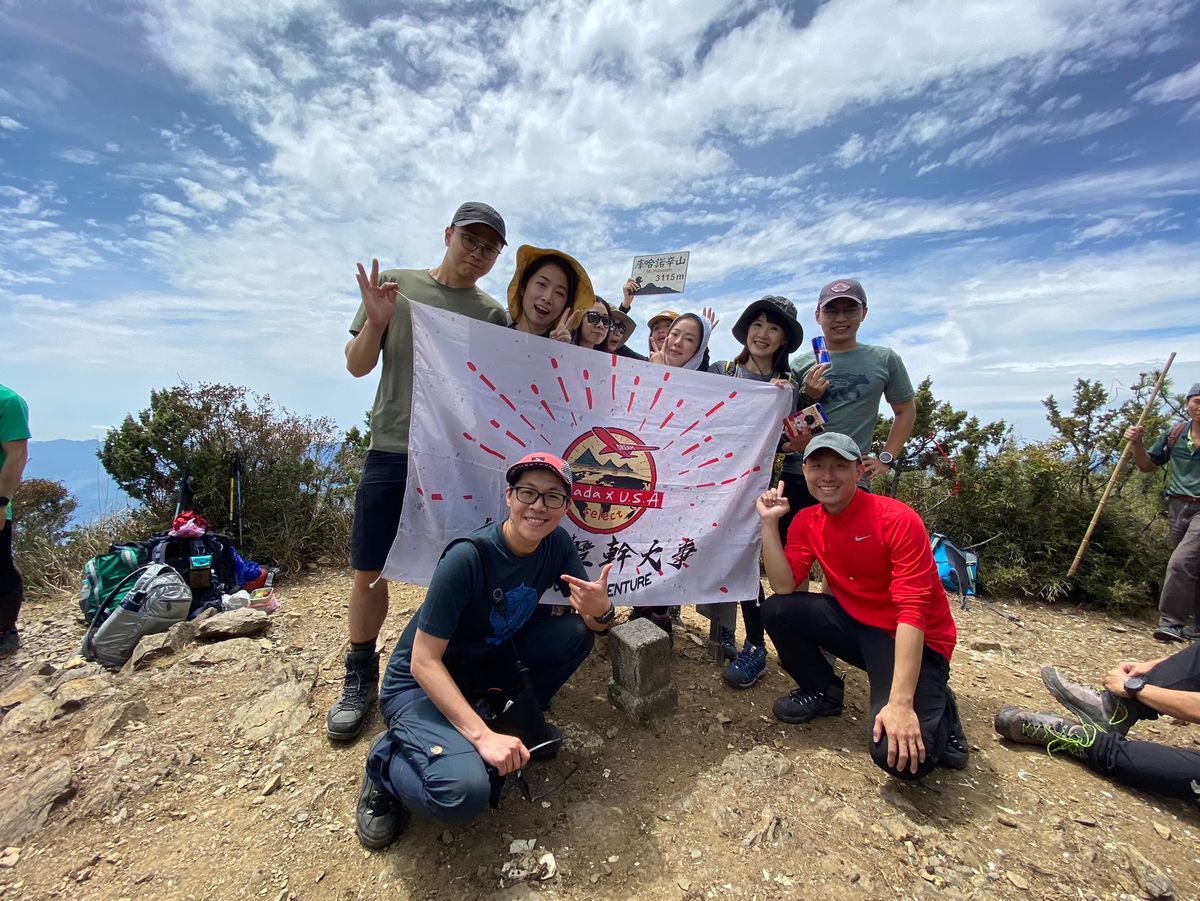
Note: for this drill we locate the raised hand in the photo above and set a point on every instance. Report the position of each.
(773, 503)
(566, 325)
(711, 315)
(590, 598)
(379, 300)
(815, 383)
(627, 291)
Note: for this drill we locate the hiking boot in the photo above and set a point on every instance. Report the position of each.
(728, 644)
(348, 715)
(378, 817)
(802, 705)
(1192, 632)
(747, 668)
(10, 640)
(957, 752)
(1101, 709)
(1169, 633)
(1053, 732)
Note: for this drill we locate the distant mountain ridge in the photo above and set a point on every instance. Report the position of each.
(74, 463)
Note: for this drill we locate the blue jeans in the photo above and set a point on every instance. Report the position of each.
(430, 765)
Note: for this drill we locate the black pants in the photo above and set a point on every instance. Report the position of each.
(1148, 765)
(803, 623)
(11, 588)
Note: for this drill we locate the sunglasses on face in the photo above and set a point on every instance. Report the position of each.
(618, 328)
(594, 318)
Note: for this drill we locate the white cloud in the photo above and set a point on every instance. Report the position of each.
(8, 123)
(1180, 86)
(80, 157)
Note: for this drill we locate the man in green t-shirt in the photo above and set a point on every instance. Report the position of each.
(14, 452)
(1180, 597)
(850, 388)
(382, 328)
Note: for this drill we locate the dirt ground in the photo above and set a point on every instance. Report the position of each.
(207, 774)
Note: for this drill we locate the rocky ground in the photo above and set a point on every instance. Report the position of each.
(205, 773)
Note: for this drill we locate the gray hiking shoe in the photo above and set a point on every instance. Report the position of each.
(1169, 633)
(1102, 709)
(348, 715)
(378, 817)
(1052, 732)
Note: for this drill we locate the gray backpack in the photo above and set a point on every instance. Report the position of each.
(158, 599)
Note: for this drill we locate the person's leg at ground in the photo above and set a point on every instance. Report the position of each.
(423, 765)
(12, 593)
(1177, 601)
(377, 504)
(933, 702)
(800, 625)
(1144, 765)
(751, 662)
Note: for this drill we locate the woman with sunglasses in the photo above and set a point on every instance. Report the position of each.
(549, 293)
(768, 331)
(479, 624)
(594, 329)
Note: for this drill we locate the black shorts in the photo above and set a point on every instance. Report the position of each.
(377, 505)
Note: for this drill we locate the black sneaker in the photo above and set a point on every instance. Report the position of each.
(802, 705)
(378, 817)
(1169, 633)
(10, 641)
(348, 715)
(1100, 708)
(1052, 732)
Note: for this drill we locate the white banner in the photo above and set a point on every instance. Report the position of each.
(667, 462)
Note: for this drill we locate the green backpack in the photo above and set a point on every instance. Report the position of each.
(103, 587)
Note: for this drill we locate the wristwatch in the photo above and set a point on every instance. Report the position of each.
(1134, 684)
(885, 458)
(605, 618)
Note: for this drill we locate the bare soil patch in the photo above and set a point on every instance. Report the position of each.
(207, 774)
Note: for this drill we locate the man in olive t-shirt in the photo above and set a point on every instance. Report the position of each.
(850, 388)
(382, 327)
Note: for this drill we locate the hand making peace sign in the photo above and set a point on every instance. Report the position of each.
(566, 325)
(590, 598)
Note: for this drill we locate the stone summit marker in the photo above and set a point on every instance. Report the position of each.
(641, 681)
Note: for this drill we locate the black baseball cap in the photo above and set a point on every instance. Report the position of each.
(475, 213)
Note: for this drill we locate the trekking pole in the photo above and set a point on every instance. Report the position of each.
(237, 457)
(1112, 479)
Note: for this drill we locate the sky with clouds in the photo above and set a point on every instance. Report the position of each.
(186, 185)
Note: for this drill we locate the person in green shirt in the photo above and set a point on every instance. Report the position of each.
(850, 388)
(382, 330)
(14, 452)
(1180, 597)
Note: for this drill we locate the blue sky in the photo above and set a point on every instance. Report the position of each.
(186, 185)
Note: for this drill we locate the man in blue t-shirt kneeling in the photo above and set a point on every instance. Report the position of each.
(479, 627)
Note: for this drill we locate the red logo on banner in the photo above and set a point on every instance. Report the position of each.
(615, 477)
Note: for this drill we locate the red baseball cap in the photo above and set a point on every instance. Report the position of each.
(554, 464)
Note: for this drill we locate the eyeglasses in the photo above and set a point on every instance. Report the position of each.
(554, 500)
(473, 245)
(618, 327)
(594, 318)
(851, 312)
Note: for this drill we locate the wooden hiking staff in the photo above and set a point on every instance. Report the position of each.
(1112, 479)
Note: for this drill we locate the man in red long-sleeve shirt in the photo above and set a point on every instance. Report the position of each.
(884, 611)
